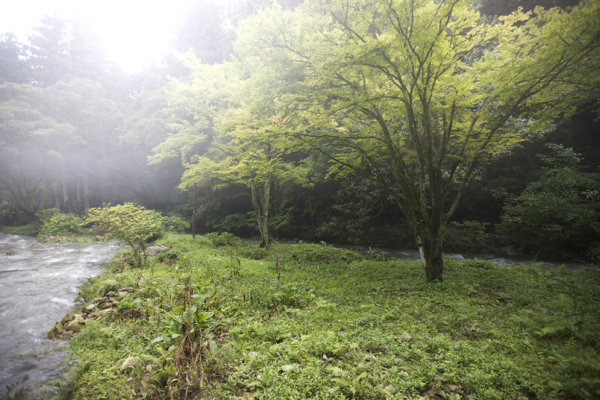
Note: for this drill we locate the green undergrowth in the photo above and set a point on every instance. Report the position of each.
(216, 323)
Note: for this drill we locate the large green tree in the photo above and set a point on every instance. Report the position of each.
(424, 88)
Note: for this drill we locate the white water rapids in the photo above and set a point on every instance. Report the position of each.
(38, 286)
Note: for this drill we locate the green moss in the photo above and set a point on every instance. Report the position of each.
(348, 328)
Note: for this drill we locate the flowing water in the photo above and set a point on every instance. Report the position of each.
(38, 286)
(507, 256)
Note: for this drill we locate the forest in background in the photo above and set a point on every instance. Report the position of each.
(77, 132)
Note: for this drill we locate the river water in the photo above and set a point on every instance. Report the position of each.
(506, 256)
(38, 286)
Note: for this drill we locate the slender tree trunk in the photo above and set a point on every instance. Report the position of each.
(194, 216)
(78, 193)
(86, 193)
(266, 236)
(261, 208)
(56, 199)
(64, 185)
(42, 200)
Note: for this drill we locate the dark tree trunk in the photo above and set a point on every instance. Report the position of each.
(431, 257)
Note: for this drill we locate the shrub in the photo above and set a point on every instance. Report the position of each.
(61, 224)
(467, 237)
(47, 214)
(174, 223)
(222, 239)
(159, 232)
(130, 223)
(236, 223)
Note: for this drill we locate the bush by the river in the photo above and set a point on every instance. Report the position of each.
(59, 224)
(175, 223)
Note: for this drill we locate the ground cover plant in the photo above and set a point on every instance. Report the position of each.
(207, 322)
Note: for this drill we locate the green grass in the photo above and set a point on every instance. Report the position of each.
(26, 230)
(214, 325)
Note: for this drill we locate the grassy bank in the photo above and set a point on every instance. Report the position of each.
(25, 230)
(217, 323)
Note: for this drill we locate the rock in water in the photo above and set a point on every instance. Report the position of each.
(52, 334)
(65, 335)
(55, 332)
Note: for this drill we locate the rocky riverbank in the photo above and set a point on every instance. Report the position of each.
(72, 323)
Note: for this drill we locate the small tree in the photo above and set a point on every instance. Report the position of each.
(248, 152)
(130, 223)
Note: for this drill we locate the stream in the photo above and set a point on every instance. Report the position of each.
(507, 256)
(38, 286)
